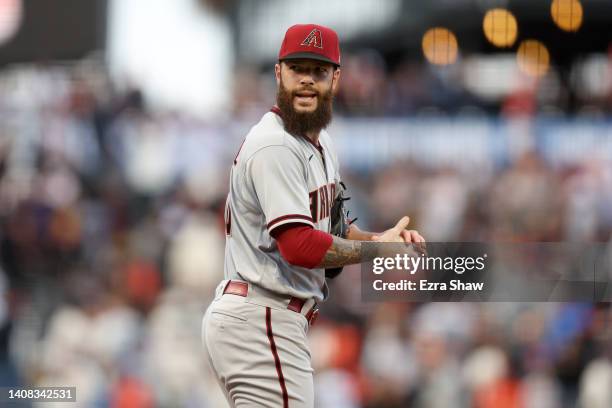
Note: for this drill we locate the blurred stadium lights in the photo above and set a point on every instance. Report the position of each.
(440, 46)
(182, 53)
(500, 27)
(567, 14)
(533, 58)
(401, 38)
(11, 13)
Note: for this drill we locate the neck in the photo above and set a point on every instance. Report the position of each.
(313, 136)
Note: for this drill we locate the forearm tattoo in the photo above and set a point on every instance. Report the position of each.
(347, 252)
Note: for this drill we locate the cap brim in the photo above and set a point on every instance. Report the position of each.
(309, 55)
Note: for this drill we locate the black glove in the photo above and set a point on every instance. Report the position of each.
(340, 223)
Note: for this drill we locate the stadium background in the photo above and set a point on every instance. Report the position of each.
(118, 121)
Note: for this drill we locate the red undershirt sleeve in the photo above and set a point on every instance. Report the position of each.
(302, 245)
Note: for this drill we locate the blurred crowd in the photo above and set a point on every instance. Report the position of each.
(111, 244)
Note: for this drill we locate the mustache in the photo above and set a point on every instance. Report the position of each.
(307, 89)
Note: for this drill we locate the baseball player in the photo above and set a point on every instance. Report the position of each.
(284, 185)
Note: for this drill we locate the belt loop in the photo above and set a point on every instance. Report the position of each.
(295, 305)
(225, 286)
(312, 315)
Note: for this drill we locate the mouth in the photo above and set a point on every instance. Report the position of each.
(305, 97)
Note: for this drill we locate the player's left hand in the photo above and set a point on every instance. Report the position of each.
(412, 236)
(399, 233)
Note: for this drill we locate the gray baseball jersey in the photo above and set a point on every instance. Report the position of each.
(276, 179)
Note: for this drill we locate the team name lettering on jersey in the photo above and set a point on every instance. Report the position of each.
(321, 201)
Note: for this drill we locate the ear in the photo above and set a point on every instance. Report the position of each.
(335, 80)
(277, 73)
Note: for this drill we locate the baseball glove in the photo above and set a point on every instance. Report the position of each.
(340, 224)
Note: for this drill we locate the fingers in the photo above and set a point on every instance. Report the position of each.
(412, 236)
(419, 242)
(402, 224)
(416, 237)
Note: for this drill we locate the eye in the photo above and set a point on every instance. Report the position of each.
(297, 68)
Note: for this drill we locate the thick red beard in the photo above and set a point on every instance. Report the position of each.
(300, 123)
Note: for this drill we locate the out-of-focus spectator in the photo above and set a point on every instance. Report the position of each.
(196, 255)
(596, 384)
(440, 220)
(85, 348)
(172, 359)
(388, 358)
(526, 203)
(362, 89)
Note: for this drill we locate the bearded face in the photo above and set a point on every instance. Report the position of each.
(305, 96)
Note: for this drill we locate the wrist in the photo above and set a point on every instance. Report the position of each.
(356, 234)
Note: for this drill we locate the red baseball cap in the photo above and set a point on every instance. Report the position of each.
(310, 41)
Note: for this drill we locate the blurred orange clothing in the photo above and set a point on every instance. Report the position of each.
(505, 393)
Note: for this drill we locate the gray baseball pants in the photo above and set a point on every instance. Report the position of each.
(258, 349)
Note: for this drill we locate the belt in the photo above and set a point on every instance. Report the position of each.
(239, 288)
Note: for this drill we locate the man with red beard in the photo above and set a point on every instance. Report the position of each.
(282, 185)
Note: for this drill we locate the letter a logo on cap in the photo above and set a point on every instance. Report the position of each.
(306, 41)
(314, 38)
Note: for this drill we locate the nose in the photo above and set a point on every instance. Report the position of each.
(307, 79)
